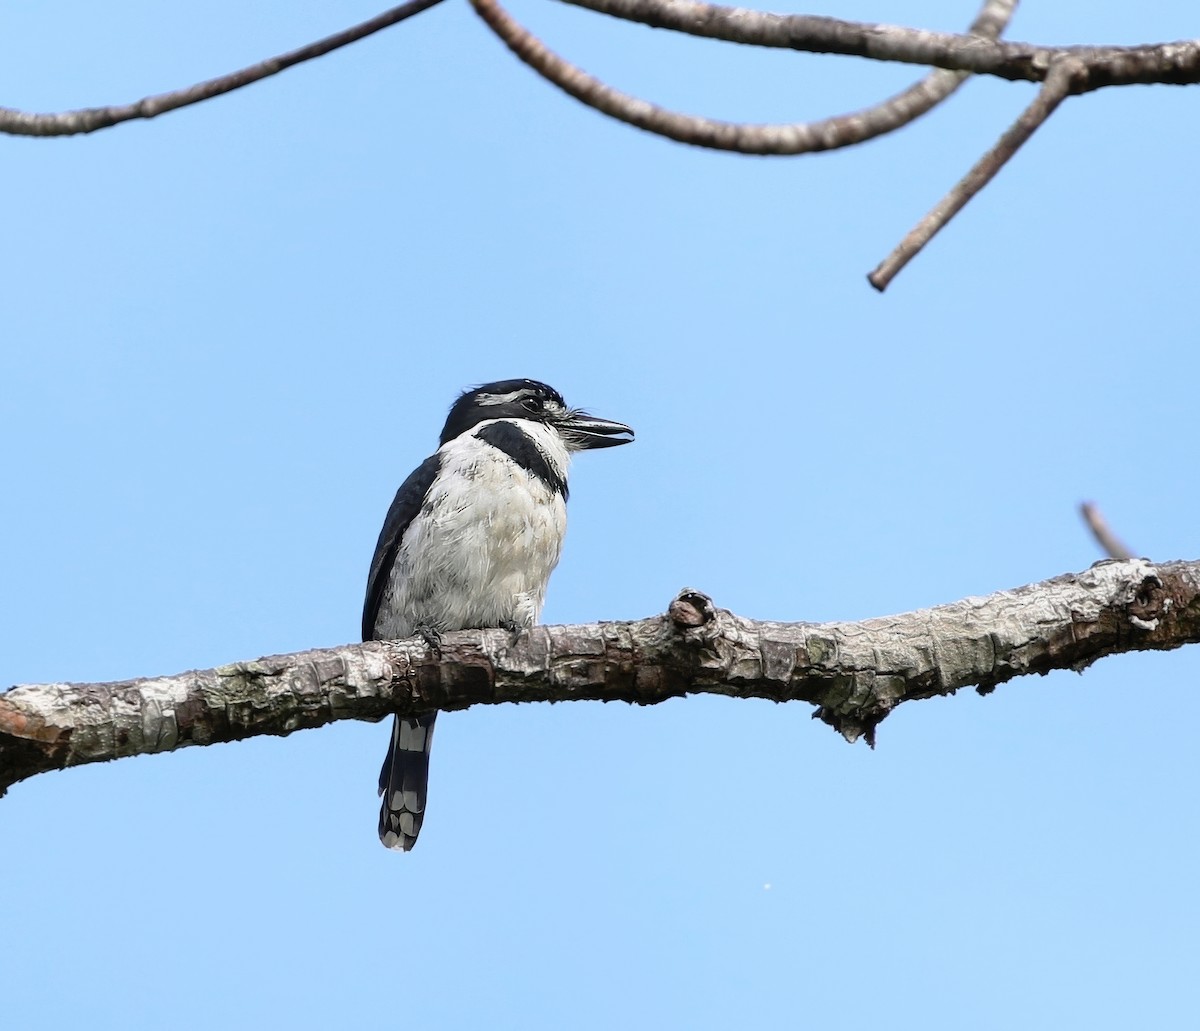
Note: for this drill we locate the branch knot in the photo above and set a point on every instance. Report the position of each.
(1150, 603)
(691, 609)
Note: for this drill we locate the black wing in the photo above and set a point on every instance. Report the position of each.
(406, 504)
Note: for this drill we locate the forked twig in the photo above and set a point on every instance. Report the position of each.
(1063, 71)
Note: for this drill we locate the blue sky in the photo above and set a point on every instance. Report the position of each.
(229, 333)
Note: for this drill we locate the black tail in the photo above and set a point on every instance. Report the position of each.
(404, 780)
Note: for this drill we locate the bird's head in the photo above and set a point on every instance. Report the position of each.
(536, 402)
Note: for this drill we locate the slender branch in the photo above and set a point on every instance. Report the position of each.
(1109, 542)
(1172, 63)
(743, 138)
(976, 52)
(1054, 91)
(71, 123)
(855, 673)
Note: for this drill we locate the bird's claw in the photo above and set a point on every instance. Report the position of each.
(515, 629)
(432, 637)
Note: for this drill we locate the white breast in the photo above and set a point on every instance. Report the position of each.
(481, 550)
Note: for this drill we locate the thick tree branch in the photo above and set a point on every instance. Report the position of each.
(744, 138)
(1175, 63)
(72, 123)
(855, 673)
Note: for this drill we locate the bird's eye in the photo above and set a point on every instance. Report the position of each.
(532, 404)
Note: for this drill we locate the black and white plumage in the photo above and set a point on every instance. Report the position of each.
(469, 542)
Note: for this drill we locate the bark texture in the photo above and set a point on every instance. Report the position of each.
(1169, 63)
(854, 673)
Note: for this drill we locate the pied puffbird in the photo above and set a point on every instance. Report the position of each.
(470, 541)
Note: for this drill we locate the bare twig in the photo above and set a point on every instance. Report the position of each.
(976, 52)
(855, 673)
(743, 138)
(1063, 71)
(1109, 542)
(71, 123)
(1054, 90)
(1173, 63)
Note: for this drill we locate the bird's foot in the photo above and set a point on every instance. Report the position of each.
(432, 636)
(515, 629)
